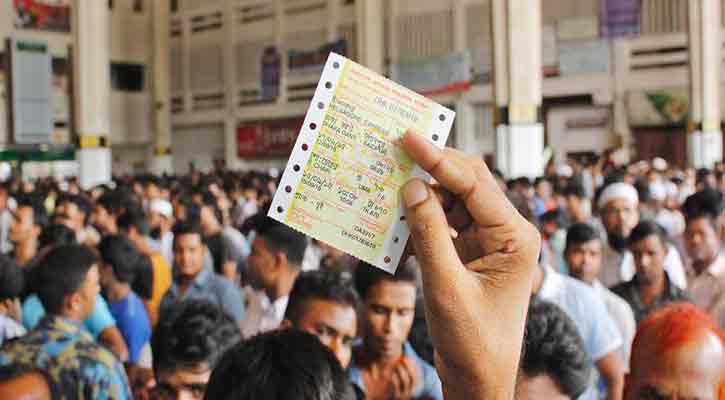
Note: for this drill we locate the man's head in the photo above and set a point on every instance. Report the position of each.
(29, 219)
(19, 381)
(703, 213)
(107, 209)
(388, 307)
(189, 249)
(648, 244)
(56, 235)
(66, 281)
(161, 214)
(277, 251)
(618, 204)
(210, 215)
(188, 342)
(705, 179)
(542, 188)
(324, 303)
(555, 365)
(280, 365)
(11, 286)
(677, 353)
(134, 224)
(583, 252)
(574, 194)
(76, 208)
(120, 259)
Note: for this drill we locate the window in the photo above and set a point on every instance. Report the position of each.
(138, 6)
(127, 77)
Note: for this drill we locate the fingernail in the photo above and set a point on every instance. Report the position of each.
(414, 193)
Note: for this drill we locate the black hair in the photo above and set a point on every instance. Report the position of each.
(187, 228)
(56, 235)
(701, 176)
(555, 216)
(190, 333)
(209, 200)
(136, 219)
(320, 285)
(552, 346)
(61, 273)
(117, 202)
(143, 282)
(280, 365)
(575, 189)
(120, 253)
(367, 276)
(647, 228)
(707, 203)
(281, 238)
(12, 280)
(83, 204)
(581, 233)
(40, 217)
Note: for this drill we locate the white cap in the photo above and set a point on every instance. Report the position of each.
(565, 170)
(161, 207)
(619, 190)
(659, 164)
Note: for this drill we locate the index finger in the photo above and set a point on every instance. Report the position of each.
(461, 175)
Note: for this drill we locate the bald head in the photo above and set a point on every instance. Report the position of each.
(677, 354)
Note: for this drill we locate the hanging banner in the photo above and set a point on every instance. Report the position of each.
(267, 138)
(435, 75)
(667, 107)
(31, 95)
(270, 73)
(44, 15)
(619, 18)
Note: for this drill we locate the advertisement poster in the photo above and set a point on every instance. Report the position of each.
(44, 15)
(435, 75)
(267, 138)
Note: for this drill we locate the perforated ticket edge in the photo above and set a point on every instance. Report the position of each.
(388, 257)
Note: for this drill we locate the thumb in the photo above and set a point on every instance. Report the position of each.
(430, 234)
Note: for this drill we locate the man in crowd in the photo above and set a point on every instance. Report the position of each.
(281, 365)
(28, 221)
(577, 203)
(650, 288)
(11, 288)
(384, 363)
(22, 382)
(67, 285)
(618, 204)
(703, 240)
(210, 222)
(195, 279)
(602, 339)
(161, 222)
(324, 304)
(119, 264)
(105, 213)
(584, 258)
(678, 353)
(554, 365)
(187, 344)
(75, 209)
(274, 264)
(5, 218)
(133, 225)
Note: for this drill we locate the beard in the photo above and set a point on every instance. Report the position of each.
(617, 242)
(155, 233)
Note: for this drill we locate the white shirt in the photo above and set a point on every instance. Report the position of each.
(581, 303)
(622, 315)
(9, 329)
(262, 315)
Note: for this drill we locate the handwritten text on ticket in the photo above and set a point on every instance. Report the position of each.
(342, 182)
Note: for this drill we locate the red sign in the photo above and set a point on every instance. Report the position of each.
(267, 138)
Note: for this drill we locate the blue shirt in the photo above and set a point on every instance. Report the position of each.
(429, 387)
(96, 323)
(210, 287)
(133, 322)
(78, 367)
(583, 305)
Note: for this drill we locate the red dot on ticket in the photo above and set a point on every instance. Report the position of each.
(288, 188)
(386, 259)
(304, 147)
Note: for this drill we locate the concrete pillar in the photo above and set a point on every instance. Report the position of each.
(231, 85)
(704, 141)
(92, 90)
(370, 16)
(161, 22)
(517, 84)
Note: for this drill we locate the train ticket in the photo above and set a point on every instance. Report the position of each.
(342, 182)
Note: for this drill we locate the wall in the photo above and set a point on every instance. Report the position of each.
(201, 144)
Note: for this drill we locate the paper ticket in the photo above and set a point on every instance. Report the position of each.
(342, 182)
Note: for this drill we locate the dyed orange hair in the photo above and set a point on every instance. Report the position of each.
(676, 325)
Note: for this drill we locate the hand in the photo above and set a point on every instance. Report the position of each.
(477, 285)
(404, 379)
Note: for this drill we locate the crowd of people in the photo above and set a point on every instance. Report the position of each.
(181, 288)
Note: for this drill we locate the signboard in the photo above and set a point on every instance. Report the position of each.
(666, 107)
(267, 138)
(619, 17)
(305, 60)
(45, 15)
(435, 75)
(31, 95)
